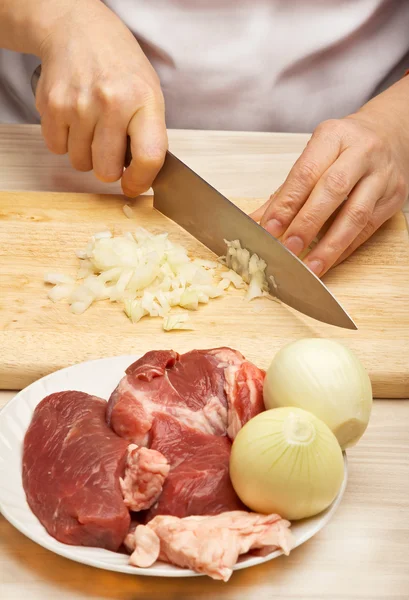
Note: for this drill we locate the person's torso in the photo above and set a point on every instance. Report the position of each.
(267, 65)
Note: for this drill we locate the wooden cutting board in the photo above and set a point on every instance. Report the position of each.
(39, 233)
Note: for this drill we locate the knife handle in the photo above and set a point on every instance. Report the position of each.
(34, 82)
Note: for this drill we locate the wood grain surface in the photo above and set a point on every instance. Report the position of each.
(40, 232)
(362, 554)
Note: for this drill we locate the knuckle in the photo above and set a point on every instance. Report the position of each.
(108, 96)
(329, 129)
(373, 145)
(337, 182)
(311, 221)
(81, 105)
(370, 227)
(288, 206)
(308, 172)
(151, 158)
(56, 102)
(334, 248)
(359, 215)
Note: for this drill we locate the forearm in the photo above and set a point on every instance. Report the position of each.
(26, 24)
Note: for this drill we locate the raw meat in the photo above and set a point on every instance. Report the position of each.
(72, 462)
(184, 407)
(212, 391)
(210, 545)
(145, 473)
(72, 469)
(198, 482)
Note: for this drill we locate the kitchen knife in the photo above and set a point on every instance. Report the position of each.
(184, 197)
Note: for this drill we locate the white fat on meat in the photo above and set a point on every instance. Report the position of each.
(244, 391)
(212, 418)
(208, 544)
(145, 474)
(146, 544)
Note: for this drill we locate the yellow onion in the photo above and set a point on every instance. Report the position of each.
(325, 378)
(286, 461)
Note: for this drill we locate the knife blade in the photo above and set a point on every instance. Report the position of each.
(188, 200)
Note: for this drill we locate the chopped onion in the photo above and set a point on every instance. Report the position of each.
(189, 299)
(57, 278)
(224, 284)
(251, 268)
(85, 269)
(286, 461)
(176, 321)
(60, 292)
(325, 378)
(128, 211)
(151, 275)
(102, 234)
(79, 307)
(234, 278)
(134, 310)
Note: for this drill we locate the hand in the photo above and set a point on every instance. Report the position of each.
(96, 87)
(353, 172)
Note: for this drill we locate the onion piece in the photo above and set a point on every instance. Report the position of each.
(251, 268)
(58, 278)
(176, 321)
(224, 284)
(234, 278)
(80, 307)
(189, 299)
(102, 234)
(60, 292)
(96, 287)
(128, 212)
(134, 310)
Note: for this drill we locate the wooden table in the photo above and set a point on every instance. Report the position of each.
(361, 554)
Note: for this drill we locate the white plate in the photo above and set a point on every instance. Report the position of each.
(98, 377)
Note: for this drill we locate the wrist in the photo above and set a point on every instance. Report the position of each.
(25, 25)
(388, 115)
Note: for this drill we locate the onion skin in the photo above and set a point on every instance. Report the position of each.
(286, 461)
(325, 378)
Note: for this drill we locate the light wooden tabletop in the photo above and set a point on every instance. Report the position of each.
(362, 554)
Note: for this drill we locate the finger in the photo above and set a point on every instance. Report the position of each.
(55, 134)
(318, 156)
(259, 212)
(351, 221)
(80, 143)
(329, 193)
(149, 142)
(382, 212)
(108, 150)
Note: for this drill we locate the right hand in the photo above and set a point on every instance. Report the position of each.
(96, 87)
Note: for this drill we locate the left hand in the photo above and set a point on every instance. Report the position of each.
(355, 170)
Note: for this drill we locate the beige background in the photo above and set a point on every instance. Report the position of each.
(361, 555)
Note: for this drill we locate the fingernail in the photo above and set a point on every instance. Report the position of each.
(274, 227)
(316, 266)
(294, 244)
